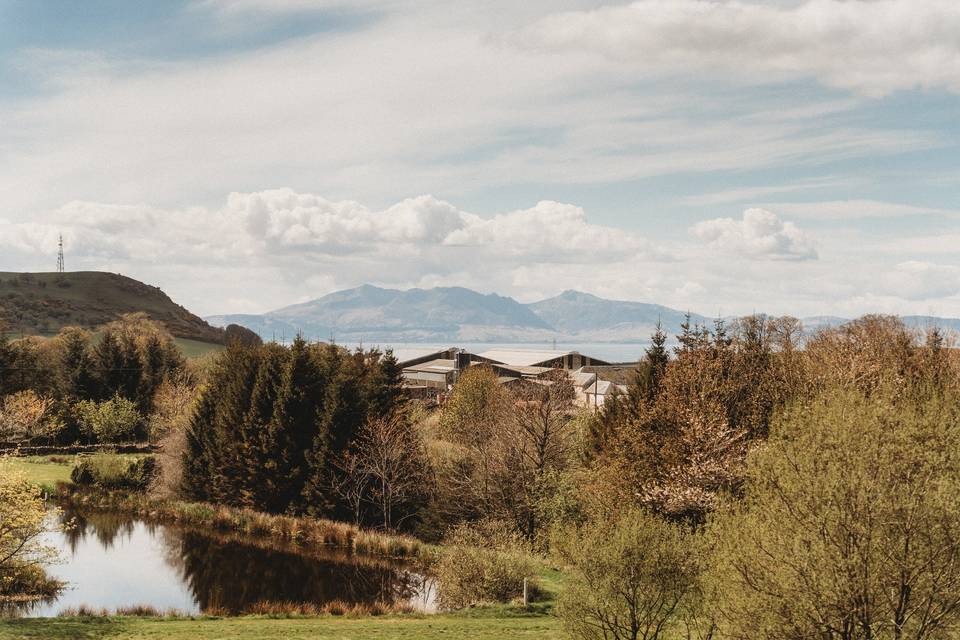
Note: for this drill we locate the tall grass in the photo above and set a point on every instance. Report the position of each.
(256, 524)
(264, 608)
(332, 608)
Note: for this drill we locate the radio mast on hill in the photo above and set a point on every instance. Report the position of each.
(60, 255)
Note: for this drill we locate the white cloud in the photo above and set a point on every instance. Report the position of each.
(758, 234)
(869, 46)
(266, 249)
(294, 239)
(288, 221)
(550, 230)
(920, 280)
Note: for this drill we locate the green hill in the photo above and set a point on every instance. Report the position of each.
(44, 303)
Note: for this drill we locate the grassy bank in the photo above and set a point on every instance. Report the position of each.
(481, 624)
(303, 531)
(47, 471)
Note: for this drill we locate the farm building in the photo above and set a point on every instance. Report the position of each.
(569, 360)
(431, 371)
(596, 394)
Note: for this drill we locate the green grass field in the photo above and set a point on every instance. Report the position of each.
(41, 471)
(196, 348)
(445, 627)
(47, 471)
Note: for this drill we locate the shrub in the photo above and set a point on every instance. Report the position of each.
(850, 521)
(22, 525)
(482, 563)
(628, 579)
(109, 471)
(109, 421)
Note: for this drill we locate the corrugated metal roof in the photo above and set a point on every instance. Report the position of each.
(523, 357)
(583, 379)
(406, 354)
(605, 388)
(433, 366)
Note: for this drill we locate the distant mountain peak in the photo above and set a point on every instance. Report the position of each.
(459, 315)
(573, 294)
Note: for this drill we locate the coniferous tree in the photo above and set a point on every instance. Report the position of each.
(77, 374)
(109, 360)
(197, 462)
(384, 384)
(721, 340)
(294, 428)
(254, 434)
(658, 357)
(233, 406)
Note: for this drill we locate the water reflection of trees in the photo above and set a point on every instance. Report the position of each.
(105, 527)
(230, 572)
(230, 576)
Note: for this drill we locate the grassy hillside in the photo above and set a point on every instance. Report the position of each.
(43, 303)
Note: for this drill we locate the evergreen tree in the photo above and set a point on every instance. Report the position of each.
(385, 394)
(293, 432)
(254, 434)
(198, 463)
(77, 374)
(109, 361)
(721, 340)
(657, 358)
(233, 405)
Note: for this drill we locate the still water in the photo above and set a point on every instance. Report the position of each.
(110, 561)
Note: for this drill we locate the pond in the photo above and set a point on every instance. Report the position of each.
(110, 561)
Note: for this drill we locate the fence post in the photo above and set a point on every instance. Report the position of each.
(526, 600)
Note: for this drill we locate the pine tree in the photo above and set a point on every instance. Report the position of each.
(109, 361)
(154, 369)
(689, 338)
(239, 372)
(294, 428)
(198, 465)
(343, 414)
(657, 358)
(720, 339)
(383, 387)
(77, 375)
(254, 434)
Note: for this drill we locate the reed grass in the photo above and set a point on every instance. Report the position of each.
(273, 609)
(298, 530)
(332, 608)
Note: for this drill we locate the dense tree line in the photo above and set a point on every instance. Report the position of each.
(273, 424)
(767, 483)
(45, 383)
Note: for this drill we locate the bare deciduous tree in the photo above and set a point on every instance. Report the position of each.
(389, 468)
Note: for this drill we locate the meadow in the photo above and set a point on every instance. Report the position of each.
(494, 623)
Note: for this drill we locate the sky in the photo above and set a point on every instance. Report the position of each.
(721, 156)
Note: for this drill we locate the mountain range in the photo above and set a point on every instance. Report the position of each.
(455, 314)
(43, 303)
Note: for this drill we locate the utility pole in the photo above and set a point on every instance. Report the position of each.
(60, 266)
